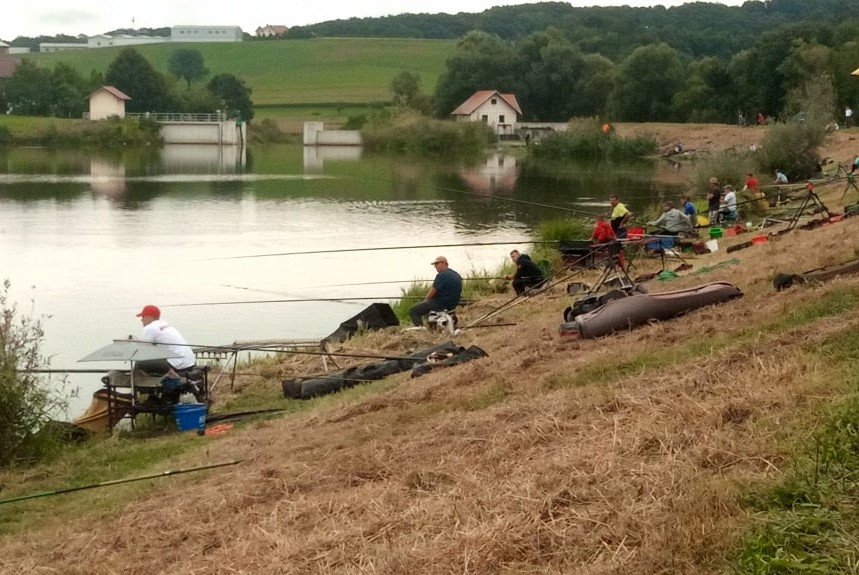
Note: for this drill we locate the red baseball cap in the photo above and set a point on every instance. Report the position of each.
(150, 310)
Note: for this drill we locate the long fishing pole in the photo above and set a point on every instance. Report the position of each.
(389, 282)
(117, 482)
(329, 299)
(383, 248)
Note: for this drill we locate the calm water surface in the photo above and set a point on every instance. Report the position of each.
(87, 240)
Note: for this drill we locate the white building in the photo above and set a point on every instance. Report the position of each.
(206, 34)
(60, 46)
(106, 102)
(105, 41)
(498, 111)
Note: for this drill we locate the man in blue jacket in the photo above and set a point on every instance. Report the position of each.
(443, 295)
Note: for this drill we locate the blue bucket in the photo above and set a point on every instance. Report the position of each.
(190, 416)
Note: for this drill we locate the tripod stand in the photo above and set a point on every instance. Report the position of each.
(811, 199)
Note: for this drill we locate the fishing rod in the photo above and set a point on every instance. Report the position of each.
(338, 299)
(390, 282)
(117, 482)
(383, 248)
(275, 348)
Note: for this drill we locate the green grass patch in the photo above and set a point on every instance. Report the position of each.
(494, 394)
(347, 70)
(809, 522)
(96, 460)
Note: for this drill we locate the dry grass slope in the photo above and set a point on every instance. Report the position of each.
(627, 454)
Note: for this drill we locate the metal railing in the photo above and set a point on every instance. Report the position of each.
(173, 117)
(177, 117)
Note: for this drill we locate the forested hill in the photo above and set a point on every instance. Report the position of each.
(696, 28)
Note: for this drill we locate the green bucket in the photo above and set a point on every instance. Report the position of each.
(715, 233)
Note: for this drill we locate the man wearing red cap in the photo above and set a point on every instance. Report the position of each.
(156, 330)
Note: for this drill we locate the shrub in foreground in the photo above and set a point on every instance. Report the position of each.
(26, 399)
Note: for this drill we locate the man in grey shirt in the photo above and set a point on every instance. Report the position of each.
(672, 221)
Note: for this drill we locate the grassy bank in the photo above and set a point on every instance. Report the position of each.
(724, 439)
(57, 132)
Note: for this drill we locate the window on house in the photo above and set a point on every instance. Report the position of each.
(501, 119)
(485, 118)
(494, 101)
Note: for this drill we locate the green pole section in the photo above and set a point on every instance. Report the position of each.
(117, 482)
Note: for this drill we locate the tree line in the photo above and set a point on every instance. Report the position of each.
(63, 92)
(555, 79)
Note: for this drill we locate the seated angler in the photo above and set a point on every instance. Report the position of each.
(729, 211)
(443, 295)
(528, 274)
(158, 331)
(672, 222)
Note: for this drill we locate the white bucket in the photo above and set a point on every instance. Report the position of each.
(712, 245)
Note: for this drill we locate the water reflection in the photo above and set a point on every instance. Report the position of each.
(315, 156)
(497, 174)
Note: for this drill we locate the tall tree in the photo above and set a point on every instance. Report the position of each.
(187, 64)
(406, 86)
(134, 75)
(646, 84)
(68, 92)
(480, 62)
(28, 91)
(233, 95)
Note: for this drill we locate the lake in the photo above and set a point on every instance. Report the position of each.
(87, 239)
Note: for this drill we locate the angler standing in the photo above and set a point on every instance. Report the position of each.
(443, 295)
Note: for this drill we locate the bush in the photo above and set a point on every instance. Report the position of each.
(268, 132)
(729, 167)
(792, 147)
(27, 400)
(585, 139)
(408, 132)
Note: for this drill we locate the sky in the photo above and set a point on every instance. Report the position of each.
(91, 17)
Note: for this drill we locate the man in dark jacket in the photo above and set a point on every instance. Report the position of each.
(528, 274)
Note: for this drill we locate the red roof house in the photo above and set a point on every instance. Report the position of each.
(497, 110)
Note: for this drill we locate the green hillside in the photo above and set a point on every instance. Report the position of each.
(348, 70)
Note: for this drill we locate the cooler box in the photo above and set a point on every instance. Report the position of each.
(660, 243)
(634, 233)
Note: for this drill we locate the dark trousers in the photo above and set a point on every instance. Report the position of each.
(158, 367)
(419, 310)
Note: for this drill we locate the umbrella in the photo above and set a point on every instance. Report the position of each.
(130, 350)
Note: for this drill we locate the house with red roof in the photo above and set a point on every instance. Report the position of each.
(498, 111)
(106, 102)
(270, 30)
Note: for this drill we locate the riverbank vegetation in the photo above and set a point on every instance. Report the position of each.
(585, 139)
(109, 134)
(408, 132)
(28, 401)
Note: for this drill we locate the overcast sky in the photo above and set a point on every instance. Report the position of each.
(50, 17)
